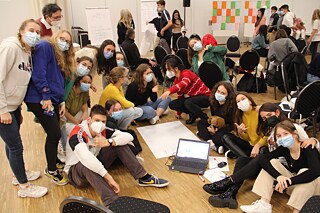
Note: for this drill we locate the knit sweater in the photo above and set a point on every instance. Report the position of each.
(112, 92)
(189, 84)
(250, 120)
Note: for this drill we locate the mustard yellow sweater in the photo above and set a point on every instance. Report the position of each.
(112, 92)
(250, 120)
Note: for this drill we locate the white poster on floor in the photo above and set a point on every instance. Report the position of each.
(162, 139)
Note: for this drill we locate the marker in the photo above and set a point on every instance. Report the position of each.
(201, 178)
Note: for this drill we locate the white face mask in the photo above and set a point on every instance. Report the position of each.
(170, 74)
(244, 105)
(97, 126)
(56, 23)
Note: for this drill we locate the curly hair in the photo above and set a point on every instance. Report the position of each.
(230, 103)
(66, 59)
(141, 69)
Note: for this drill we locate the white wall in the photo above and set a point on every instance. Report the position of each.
(12, 14)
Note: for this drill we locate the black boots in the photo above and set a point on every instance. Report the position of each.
(226, 199)
(219, 186)
(191, 119)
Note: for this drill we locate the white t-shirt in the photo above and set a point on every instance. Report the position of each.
(288, 19)
(316, 26)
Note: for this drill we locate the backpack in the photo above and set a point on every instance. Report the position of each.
(163, 43)
(248, 84)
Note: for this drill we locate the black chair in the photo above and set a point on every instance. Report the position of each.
(233, 45)
(164, 70)
(183, 54)
(76, 204)
(312, 205)
(182, 42)
(307, 104)
(159, 54)
(248, 63)
(301, 44)
(136, 205)
(210, 73)
(127, 65)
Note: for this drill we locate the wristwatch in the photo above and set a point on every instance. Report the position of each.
(110, 140)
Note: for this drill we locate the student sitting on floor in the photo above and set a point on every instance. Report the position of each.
(92, 149)
(259, 42)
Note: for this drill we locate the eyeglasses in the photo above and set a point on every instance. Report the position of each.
(64, 39)
(56, 17)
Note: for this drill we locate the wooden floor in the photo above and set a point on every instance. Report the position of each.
(184, 194)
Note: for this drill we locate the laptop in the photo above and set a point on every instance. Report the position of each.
(192, 156)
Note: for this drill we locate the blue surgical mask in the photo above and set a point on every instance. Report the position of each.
(149, 77)
(120, 63)
(31, 38)
(286, 141)
(84, 87)
(197, 46)
(281, 13)
(108, 54)
(219, 97)
(82, 70)
(63, 45)
(117, 115)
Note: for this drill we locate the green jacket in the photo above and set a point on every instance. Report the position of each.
(215, 54)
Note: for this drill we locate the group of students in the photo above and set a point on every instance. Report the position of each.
(265, 35)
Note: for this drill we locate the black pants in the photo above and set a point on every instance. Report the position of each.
(52, 128)
(191, 106)
(263, 52)
(206, 135)
(313, 48)
(238, 146)
(175, 37)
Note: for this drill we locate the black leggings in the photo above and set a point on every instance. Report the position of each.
(52, 128)
(205, 134)
(313, 48)
(175, 37)
(263, 52)
(237, 145)
(191, 106)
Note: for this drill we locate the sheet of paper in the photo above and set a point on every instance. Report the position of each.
(214, 175)
(213, 163)
(162, 139)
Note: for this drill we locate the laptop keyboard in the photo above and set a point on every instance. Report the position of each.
(191, 164)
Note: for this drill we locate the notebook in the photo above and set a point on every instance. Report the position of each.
(192, 156)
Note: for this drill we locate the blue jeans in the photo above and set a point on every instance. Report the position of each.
(150, 107)
(14, 149)
(312, 78)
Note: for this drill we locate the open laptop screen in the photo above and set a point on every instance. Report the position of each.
(193, 149)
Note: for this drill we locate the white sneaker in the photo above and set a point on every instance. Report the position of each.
(257, 207)
(32, 191)
(154, 120)
(220, 150)
(212, 145)
(31, 175)
(166, 112)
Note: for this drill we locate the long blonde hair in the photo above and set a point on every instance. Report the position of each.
(316, 15)
(66, 59)
(126, 18)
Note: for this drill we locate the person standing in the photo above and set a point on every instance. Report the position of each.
(288, 18)
(273, 17)
(177, 25)
(51, 17)
(314, 38)
(165, 22)
(15, 55)
(126, 22)
(53, 62)
(261, 20)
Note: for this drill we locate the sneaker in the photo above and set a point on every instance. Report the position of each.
(154, 181)
(257, 207)
(57, 177)
(166, 112)
(32, 191)
(154, 120)
(230, 154)
(140, 159)
(31, 175)
(220, 150)
(60, 166)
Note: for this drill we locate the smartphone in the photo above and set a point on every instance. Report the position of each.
(49, 113)
(222, 164)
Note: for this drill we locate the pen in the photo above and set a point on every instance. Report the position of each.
(201, 178)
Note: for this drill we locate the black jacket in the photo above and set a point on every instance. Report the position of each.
(132, 52)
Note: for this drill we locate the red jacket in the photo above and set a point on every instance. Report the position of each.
(44, 31)
(189, 84)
